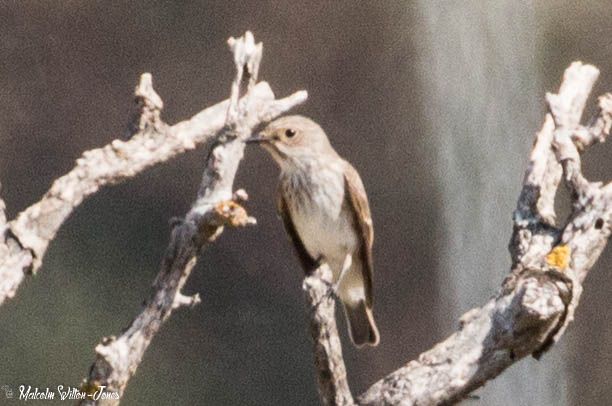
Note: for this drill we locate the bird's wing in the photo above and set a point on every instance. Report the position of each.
(307, 262)
(357, 199)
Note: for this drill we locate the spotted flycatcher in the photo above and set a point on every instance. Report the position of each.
(325, 210)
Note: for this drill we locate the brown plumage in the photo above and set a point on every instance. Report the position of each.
(325, 211)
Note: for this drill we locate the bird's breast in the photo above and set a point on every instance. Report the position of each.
(321, 217)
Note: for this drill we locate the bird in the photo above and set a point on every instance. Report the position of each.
(325, 211)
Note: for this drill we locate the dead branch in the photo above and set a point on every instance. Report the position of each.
(531, 311)
(24, 240)
(537, 300)
(215, 207)
(332, 382)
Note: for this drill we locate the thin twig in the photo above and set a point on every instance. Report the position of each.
(538, 299)
(215, 207)
(24, 242)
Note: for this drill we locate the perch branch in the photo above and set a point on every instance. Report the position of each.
(332, 382)
(215, 207)
(24, 241)
(537, 300)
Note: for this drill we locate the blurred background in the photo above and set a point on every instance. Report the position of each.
(436, 103)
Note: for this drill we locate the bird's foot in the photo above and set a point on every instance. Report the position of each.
(332, 288)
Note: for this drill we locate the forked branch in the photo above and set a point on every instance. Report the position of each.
(216, 206)
(530, 312)
(537, 300)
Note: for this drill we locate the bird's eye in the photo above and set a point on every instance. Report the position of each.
(289, 133)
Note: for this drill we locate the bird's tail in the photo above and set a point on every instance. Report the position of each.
(361, 323)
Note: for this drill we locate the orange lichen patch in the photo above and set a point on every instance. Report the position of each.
(559, 257)
(232, 213)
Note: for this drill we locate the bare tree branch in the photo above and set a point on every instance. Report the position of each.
(531, 311)
(215, 207)
(537, 300)
(24, 241)
(332, 382)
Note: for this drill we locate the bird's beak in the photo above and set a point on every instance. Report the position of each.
(257, 138)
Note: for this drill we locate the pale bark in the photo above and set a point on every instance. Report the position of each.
(24, 240)
(216, 206)
(537, 300)
(530, 312)
(332, 381)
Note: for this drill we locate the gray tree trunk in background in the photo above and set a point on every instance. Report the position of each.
(483, 106)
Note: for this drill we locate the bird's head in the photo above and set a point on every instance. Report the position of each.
(293, 141)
